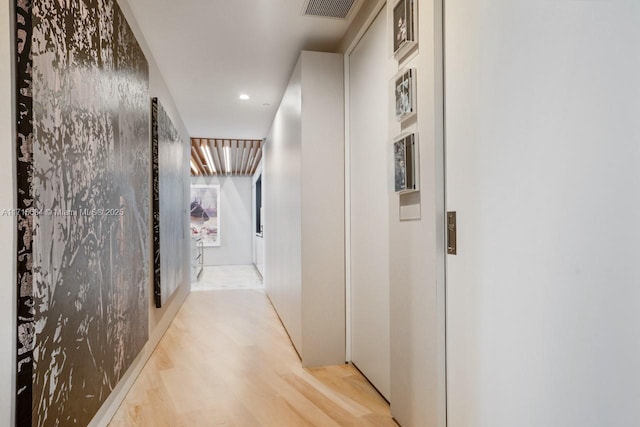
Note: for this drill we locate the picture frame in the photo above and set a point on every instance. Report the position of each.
(405, 28)
(405, 94)
(406, 171)
(205, 213)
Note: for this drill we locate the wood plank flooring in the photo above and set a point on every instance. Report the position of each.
(227, 361)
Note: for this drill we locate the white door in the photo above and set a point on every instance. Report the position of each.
(369, 222)
(543, 169)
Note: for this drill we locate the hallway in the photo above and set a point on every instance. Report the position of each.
(227, 361)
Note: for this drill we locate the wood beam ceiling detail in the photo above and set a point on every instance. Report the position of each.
(225, 157)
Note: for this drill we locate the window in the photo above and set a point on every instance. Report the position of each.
(259, 206)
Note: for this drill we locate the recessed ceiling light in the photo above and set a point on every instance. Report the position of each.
(244, 97)
(266, 104)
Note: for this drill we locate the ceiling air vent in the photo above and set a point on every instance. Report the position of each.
(339, 9)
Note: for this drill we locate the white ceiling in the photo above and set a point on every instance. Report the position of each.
(211, 51)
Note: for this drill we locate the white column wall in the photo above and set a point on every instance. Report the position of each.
(7, 222)
(323, 251)
(283, 209)
(303, 184)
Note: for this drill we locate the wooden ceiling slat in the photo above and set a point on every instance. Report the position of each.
(214, 155)
(200, 158)
(245, 157)
(196, 160)
(193, 158)
(233, 157)
(251, 168)
(193, 161)
(226, 155)
(202, 144)
(256, 158)
(256, 161)
(252, 153)
(239, 154)
(260, 150)
(236, 153)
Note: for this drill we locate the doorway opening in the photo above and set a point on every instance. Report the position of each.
(225, 214)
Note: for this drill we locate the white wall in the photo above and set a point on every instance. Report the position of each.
(283, 210)
(7, 223)
(543, 148)
(323, 250)
(236, 228)
(417, 248)
(159, 319)
(369, 197)
(304, 209)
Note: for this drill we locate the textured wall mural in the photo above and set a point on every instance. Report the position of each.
(168, 215)
(83, 169)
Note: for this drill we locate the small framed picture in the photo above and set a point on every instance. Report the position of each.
(405, 163)
(405, 94)
(404, 27)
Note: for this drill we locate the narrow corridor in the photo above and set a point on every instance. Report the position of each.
(227, 361)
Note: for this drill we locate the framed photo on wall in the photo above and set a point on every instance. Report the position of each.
(404, 88)
(205, 213)
(404, 27)
(405, 163)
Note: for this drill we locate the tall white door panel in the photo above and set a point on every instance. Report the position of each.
(543, 169)
(368, 114)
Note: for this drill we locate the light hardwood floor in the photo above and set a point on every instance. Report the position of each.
(227, 361)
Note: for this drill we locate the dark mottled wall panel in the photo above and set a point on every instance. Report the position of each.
(168, 206)
(155, 203)
(83, 164)
(24, 161)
